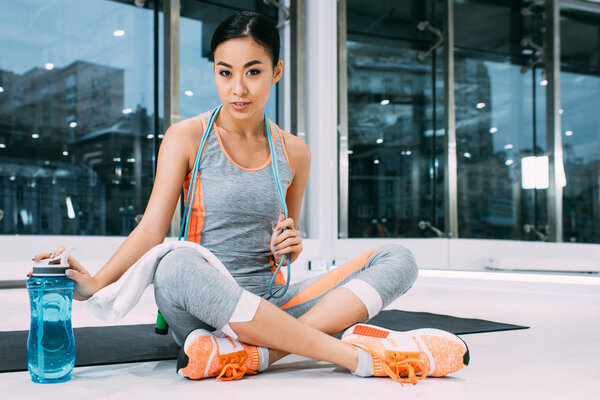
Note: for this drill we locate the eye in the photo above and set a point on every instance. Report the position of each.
(224, 72)
(253, 72)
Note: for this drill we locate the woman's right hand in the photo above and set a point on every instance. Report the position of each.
(85, 284)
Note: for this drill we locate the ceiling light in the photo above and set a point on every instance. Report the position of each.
(379, 141)
(467, 155)
(127, 111)
(508, 146)
(493, 129)
(2, 146)
(508, 162)
(35, 135)
(149, 136)
(65, 153)
(119, 33)
(1, 89)
(188, 93)
(73, 124)
(375, 161)
(49, 66)
(479, 106)
(544, 82)
(569, 133)
(384, 102)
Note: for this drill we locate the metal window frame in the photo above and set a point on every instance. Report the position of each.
(450, 162)
(343, 164)
(171, 10)
(553, 121)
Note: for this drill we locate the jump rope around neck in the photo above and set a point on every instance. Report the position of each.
(183, 233)
(162, 327)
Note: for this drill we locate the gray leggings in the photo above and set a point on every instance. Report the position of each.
(192, 294)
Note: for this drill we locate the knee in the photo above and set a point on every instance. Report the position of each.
(172, 266)
(404, 260)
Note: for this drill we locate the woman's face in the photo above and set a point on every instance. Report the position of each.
(244, 74)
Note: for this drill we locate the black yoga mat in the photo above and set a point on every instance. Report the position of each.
(135, 343)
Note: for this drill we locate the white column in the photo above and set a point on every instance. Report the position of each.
(321, 125)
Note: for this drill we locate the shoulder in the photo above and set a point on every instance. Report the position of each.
(298, 152)
(183, 137)
(185, 129)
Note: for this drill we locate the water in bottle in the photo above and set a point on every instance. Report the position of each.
(50, 346)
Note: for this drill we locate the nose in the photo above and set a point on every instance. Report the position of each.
(239, 87)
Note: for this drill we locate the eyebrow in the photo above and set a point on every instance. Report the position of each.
(248, 64)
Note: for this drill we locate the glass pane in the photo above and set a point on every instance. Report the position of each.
(580, 120)
(76, 116)
(500, 130)
(199, 20)
(395, 120)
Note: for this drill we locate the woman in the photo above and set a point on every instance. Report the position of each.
(228, 328)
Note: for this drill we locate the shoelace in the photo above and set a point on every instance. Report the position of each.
(405, 367)
(233, 367)
(400, 366)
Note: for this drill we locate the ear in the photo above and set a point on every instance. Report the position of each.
(277, 72)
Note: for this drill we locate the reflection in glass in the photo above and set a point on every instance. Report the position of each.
(500, 114)
(76, 109)
(395, 120)
(580, 102)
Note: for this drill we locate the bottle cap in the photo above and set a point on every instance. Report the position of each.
(53, 266)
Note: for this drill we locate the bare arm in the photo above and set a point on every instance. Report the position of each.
(171, 169)
(173, 163)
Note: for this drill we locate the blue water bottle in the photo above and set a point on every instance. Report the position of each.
(51, 346)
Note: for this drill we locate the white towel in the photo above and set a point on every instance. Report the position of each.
(114, 301)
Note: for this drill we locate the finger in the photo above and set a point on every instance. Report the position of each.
(273, 240)
(41, 256)
(285, 235)
(30, 274)
(74, 275)
(288, 250)
(279, 221)
(287, 243)
(75, 265)
(288, 223)
(59, 250)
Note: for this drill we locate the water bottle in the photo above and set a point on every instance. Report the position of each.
(51, 346)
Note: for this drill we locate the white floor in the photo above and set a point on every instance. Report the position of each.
(556, 359)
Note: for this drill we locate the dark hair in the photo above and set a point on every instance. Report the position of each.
(248, 24)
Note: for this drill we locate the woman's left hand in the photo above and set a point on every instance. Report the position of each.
(285, 242)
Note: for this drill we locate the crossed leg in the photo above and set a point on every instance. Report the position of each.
(310, 331)
(336, 307)
(333, 303)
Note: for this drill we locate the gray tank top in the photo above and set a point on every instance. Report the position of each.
(235, 208)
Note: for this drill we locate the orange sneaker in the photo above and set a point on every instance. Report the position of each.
(410, 356)
(205, 355)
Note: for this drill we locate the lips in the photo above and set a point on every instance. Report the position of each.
(240, 105)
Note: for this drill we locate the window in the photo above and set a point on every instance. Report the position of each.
(395, 119)
(50, 131)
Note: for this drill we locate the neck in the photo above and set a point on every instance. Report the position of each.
(249, 128)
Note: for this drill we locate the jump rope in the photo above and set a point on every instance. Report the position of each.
(162, 326)
(183, 233)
